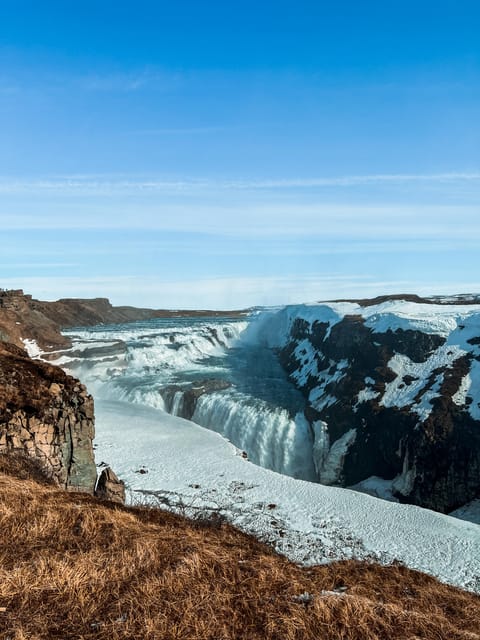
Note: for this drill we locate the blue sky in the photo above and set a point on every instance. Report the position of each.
(224, 154)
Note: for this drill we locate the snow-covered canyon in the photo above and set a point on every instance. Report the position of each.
(382, 396)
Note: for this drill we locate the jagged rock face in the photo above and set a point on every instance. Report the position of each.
(400, 404)
(48, 415)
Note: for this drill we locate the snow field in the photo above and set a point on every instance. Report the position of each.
(190, 467)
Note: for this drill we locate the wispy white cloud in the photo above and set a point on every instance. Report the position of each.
(365, 223)
(90, 185)
(359, 180)
(80, 186)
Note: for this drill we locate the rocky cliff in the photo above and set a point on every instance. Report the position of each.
(392, 391)
(47, 415)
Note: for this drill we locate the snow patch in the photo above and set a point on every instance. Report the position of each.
(367, 394)
(272, 328)
(375, 486)
(305, 354)
(399, 394)
(318, 397)
(429, 318)
(32, 348)
(460, 396)
(424, 407)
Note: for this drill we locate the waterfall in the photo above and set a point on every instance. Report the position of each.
(269, 435)
(202, 370)
(177, 403)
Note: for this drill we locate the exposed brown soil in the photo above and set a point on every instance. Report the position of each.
(74, 567)
(33, 325)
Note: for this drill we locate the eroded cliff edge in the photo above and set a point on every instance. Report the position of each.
(47, 415)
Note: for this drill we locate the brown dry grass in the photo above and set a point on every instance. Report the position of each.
(74, 567)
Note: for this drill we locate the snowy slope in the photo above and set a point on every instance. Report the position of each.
(191, 467)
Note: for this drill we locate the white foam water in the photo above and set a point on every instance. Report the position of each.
(270, 436)
(154, 363)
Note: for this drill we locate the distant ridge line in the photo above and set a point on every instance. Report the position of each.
(462, 298)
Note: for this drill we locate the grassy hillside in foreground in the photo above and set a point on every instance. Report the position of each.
(74, 567)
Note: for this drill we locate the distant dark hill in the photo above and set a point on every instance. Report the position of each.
(69, 312)
(462, 298)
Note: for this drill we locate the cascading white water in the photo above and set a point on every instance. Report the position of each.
(177, 403)
(152, 363)
(155, 353)
(268, 434)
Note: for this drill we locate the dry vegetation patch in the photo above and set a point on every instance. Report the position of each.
(74, 567)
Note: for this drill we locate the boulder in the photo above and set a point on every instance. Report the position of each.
(110, 487)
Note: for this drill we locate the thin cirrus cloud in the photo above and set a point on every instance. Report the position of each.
(347, 181)
(102, 184)
(254, 219)
(235, 292)
(32, 79)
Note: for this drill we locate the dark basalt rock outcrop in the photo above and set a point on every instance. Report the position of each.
(433, 456)
(47, 415)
